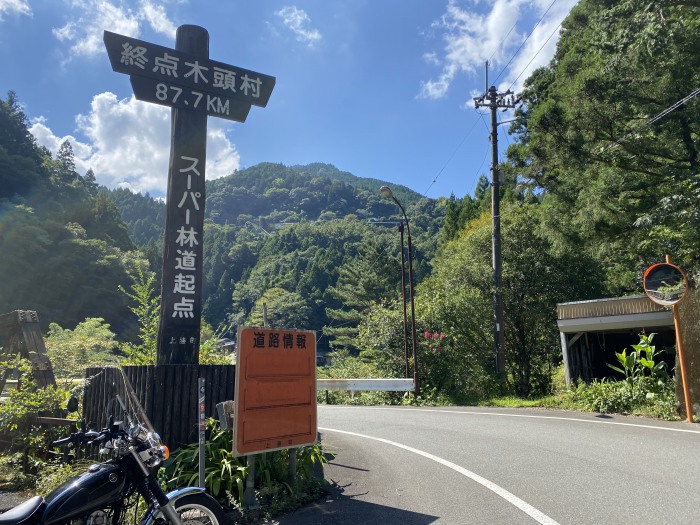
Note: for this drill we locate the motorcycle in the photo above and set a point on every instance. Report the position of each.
(106, 491)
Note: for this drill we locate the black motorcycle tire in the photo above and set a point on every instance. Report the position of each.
(200, 509)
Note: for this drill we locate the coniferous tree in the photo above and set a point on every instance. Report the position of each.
(371, 277)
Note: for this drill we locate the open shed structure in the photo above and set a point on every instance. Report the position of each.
(592, 332)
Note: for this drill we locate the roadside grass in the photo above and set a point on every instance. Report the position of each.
(559, 400)
(589, 398)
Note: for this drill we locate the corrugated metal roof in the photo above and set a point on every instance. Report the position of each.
(635, 304)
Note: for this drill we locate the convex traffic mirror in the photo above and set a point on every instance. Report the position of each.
(665, 283)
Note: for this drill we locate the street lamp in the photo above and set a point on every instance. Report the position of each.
(403, 299)
(386, 192)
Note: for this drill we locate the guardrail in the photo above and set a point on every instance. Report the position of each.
(353, 385)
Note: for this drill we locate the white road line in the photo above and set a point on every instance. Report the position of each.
(498, 490)
(530, 416)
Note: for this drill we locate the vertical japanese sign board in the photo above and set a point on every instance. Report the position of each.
(275, 392)
(194, 86)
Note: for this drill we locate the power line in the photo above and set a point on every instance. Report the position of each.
(524, 41)
(535, 55)
(654, 119)
(425, 194)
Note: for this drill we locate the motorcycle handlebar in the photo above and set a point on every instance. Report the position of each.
(64, 441)
(80, 438)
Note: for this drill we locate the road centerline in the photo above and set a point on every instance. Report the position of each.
(511, 498)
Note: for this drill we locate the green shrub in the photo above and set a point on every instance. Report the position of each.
(55, 473)
(647, 388)
(646, 396)
(90, 344)
(225, 474)
(345, 366)
(18, 415)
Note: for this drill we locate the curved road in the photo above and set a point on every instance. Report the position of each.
(497, 466)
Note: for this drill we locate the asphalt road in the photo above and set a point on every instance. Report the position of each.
(496, 466)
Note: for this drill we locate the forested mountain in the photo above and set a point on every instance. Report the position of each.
(273, 234)
(290, 237)
(404, 195)
(143, 215)
(279, 194)
(64, 248)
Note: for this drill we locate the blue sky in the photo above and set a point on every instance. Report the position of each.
(379, 88)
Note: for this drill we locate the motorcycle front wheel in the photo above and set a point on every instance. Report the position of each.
(199, 509)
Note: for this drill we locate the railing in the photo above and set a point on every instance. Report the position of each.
(353, 385)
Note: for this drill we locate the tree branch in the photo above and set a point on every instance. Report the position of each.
(687, 3)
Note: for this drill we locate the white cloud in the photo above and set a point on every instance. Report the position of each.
(129, 144)
(471, 38)
(298, 22)
(45, 137)
(19, 7)
(88, 19)
(541, 45)
(157, 18)
(432, 59)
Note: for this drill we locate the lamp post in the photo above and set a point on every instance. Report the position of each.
(386, 192)
(403, 298)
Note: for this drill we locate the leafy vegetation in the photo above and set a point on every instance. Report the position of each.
(602, 134)
(647, 388)
(18, 415)
(91, 343)
(226, 474)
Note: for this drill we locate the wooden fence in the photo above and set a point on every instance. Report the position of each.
(167, 393)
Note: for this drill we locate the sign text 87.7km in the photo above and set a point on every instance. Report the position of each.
(173, 95)
(177, 79)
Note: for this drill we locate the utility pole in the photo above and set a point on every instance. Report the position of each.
(494, 100)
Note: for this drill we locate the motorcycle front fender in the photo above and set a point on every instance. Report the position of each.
(153, 511)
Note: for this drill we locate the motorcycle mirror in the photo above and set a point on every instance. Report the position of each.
(111, 426)
(73, 404)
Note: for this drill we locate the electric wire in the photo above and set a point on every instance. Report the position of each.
(503, 40)
(524, 41)
(535, 55)
(653, 119)
(454, 152)
(435, 178)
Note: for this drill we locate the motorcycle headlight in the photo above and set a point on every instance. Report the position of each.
(139, 433)
(153, 439)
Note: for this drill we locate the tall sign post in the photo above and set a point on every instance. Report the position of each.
(194, 86)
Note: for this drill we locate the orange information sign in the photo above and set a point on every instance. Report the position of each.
(275, 399)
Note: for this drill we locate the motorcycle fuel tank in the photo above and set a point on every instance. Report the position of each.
(96, 488)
